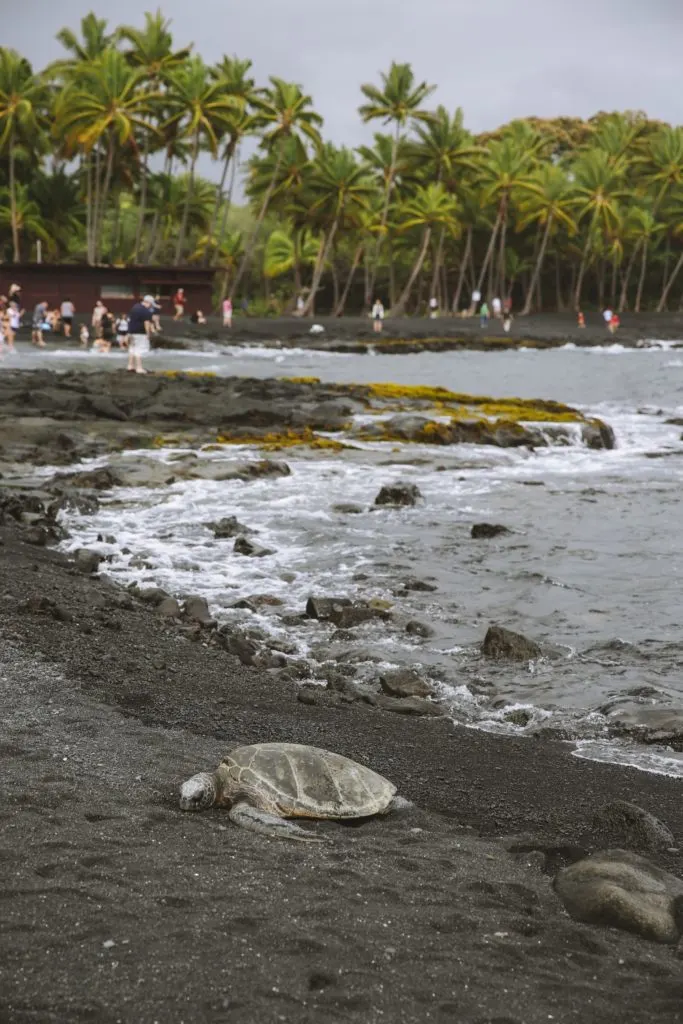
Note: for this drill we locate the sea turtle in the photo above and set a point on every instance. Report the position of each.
(265, 783)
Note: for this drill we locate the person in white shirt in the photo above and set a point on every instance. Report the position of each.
(433, 307)
(496, 306)
(377, 316)
(66, 312)
(607, 317)
(122, 331)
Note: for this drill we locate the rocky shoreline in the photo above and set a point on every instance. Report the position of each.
(111, 697)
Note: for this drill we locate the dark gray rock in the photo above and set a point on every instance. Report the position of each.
(398, 494)
(626, 824)
(404, 682)
(152, 595)
(87, 561)
(196, 609)
(228, 526)
(356, 615)
(506, 645)
(421, 586)
(36, 535)
(324, 607)
(649, 725)
(416, 628)
(408, 705)
(347, 508)
(485, 531)
(244, 546)
(169, 608)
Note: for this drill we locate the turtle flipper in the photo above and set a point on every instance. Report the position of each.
(256, 820)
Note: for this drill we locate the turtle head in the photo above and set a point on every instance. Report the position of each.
(198, 793)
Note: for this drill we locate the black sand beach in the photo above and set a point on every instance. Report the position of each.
(118, 907)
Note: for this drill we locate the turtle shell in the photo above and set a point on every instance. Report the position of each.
(298, 781)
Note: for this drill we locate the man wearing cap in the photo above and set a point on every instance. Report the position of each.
(139, 327)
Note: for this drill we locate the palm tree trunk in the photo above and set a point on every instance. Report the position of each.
(85, 162)
(99, 227)
(437, 263)
(341, 305)
(143, 201)
(489, 251)
(535, 277)
(669, 284)
(96, 206)
(455, 305)
(13, 199)
(186, 206)
(501, 254)
(623, 298)
(385, 216)
(582, 268)
(323, 253)
(228, 202)
(405, 294)
(641, 279)
(251, 241)
(211, 249)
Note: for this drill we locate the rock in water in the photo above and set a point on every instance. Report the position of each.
(484, 531)
(631, 825)
(417, 628)
(622, 890)
(243, 546)
(398, 494)
(228, 526)
(404, 682)
(325, 607)
(506, 645)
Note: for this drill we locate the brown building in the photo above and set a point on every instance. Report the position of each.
(118, 287)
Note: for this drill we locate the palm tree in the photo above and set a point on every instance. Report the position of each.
(58, 196)
(203, 108)
(505, 170)
(430, 208)
(338, 190)
(598, 185)
(151, 50)
(673, 213)
(96, 40)
(445, 151)
(21, 95)
(105, 107)
(662, 163)
(234, 75)
(23, 216)
(281, 112)
(549, 205)
(398, 102)
(288, 249)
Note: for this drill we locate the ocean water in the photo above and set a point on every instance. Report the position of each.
(591, 567)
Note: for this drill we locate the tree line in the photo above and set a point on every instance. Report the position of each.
(99, 155)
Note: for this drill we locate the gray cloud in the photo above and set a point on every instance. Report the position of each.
(495, 58)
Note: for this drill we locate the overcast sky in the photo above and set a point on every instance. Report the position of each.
(497, 59)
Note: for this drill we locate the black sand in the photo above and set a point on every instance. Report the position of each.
(118, 907)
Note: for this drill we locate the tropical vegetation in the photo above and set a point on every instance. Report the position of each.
(106, 157)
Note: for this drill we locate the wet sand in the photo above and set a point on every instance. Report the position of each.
(118, 907)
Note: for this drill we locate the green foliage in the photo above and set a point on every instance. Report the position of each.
(100, 152)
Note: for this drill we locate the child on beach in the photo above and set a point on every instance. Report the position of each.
(179, 303)
(122, 331)
(484, 314)
(84, 336)
(377, 316)
(580, 319)
(12, 319)
(507, 321)
(227, 312)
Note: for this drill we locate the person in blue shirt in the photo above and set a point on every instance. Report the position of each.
(139, 327)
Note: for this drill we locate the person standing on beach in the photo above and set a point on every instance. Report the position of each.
(122, 331)
(38, 324)
(98, 309)
(615, 323)
(66, 312)
(433, 308)
(227, 312)
(12, 324)
(497, 306)
(607, 317)
(84, 336)
(139, 326)
(580, 319)
(484, 314)
(179, 304)
(507, 321)
(377, 316)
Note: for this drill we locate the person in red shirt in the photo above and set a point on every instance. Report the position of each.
(581, 320)
(179, 303)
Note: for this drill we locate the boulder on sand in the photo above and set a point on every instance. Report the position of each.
(324, 607)
(87, 561)
(244, 546)
(506, 645)
(398, 494)
(196, 609)
(625, 824)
